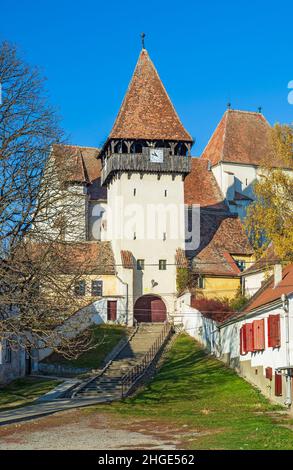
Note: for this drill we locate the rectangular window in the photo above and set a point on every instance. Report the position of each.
(7, 356)
(79, 288)
(274, 333)
(134, 192)
(241, 264)
(97, 288)
(201, 282)
(278, 385)
(140, 264)
(166, 192)
(269, 373)
(258, 335)
(162, 265)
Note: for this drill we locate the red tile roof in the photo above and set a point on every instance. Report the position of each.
(200, 186)
(221, 235)
(73, 257)
(213, 309)
(80, 165)
(241, 137)
(127, 259)
(147, 111)
(269, 293)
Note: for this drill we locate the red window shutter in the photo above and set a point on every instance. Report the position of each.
(269, 373)
(243, 341)
(249, 337)
(274, 331)
(278, 385)
(258, 335)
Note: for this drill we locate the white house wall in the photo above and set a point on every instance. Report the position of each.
(253, 282)
(224, 342)
(93, 314)
(202, 329)
(97, 213)
(15, 368)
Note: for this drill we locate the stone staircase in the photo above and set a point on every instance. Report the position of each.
(107, 385)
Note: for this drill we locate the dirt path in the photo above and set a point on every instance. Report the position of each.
(81, 429)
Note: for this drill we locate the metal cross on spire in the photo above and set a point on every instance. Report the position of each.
(142, 39)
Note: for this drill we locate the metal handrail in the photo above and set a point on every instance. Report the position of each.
(138, 371)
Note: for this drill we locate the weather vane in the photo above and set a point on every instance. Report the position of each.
(142, 39)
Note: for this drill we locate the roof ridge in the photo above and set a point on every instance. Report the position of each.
(243, 111)
(265, 285)
(85, 173)
(224, 135)
(79, 146)
(240, 111)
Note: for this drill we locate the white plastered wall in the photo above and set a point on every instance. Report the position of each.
(135, 207)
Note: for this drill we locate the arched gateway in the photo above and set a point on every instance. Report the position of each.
(150, 308)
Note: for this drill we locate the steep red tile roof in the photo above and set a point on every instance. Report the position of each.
(269, 293)
(147, 111)
(241, 137)
(80, 165)
(221, 235)
(231, 262)
(201, 187)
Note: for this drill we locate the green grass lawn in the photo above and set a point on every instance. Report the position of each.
(194, 389)
(23, 391)
(106, 337)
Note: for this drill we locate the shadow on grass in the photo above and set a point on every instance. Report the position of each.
(188, 373)
(24, 391)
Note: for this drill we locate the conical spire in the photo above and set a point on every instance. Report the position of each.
(147, 111)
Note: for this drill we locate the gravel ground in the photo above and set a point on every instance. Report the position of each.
(84, 429)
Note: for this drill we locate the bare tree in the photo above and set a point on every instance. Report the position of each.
(38, 203)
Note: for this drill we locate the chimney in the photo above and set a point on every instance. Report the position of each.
(277, 274)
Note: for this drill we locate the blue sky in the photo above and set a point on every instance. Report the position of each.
(206, 52)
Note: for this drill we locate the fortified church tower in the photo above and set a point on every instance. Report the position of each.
(144, 162)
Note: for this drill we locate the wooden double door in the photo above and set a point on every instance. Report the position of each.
(150, 309)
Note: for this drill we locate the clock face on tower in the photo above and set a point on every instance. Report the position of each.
(157, 155)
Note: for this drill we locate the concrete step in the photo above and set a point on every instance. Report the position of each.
(109, 383)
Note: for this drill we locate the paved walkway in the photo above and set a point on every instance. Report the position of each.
(45, 408)
(95, 430)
